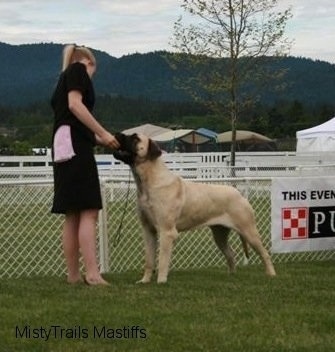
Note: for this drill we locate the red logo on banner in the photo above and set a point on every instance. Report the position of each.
(294, 223)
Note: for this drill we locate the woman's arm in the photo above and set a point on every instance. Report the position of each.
(78, 109)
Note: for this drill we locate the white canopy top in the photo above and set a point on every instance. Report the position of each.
(147, 129)
(242, 135)
(326, 128)
(186, 135)
(319, 138)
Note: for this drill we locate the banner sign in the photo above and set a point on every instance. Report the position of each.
(302, 214)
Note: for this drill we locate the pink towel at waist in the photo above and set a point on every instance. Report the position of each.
(63, 148)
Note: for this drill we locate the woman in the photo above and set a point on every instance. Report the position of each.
(76, 183)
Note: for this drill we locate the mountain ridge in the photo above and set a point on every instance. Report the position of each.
(29, 72)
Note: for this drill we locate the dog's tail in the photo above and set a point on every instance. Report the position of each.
(245, 250)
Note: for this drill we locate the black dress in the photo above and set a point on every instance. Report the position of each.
(76, 181)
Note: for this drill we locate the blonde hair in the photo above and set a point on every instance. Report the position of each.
(73, 53)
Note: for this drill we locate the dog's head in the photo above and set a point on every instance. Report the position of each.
(136, 148)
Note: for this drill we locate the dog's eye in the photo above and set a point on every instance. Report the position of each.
(135, 140)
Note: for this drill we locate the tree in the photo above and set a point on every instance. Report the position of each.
(21, 148)
(227, 45)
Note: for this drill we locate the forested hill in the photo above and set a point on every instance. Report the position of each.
(29, 72)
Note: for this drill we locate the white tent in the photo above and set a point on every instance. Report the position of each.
(241, 135)
(319, 138)
(147, 129)
(183, 140)
(246, 141)
(185, 135)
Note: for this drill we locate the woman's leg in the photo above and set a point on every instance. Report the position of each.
(71, 247)
(87, 242)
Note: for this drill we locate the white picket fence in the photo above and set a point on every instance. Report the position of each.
(190, 165)
(30, 234)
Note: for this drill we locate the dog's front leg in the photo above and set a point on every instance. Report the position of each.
(166, 241)
(150, 246)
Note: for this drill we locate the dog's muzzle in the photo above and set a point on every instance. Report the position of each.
(121, 138)
(124, 153)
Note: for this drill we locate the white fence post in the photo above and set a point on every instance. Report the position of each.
(102, 232)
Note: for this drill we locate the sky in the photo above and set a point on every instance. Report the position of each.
(122, 27)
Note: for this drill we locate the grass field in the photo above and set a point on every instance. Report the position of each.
(197, 310)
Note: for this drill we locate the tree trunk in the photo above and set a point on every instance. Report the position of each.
(233, 138)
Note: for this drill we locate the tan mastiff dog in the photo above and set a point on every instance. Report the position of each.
(168, 204)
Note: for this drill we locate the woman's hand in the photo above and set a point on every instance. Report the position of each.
(108, 140)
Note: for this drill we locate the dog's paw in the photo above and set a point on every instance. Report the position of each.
(162, 281)
(271, 274)
(245, 260)
(143, 281)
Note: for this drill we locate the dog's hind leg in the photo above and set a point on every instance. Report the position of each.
(245, 250)
(251, 235)
(150, 247)
(220, 235)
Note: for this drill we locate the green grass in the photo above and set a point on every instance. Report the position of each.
(197, 310)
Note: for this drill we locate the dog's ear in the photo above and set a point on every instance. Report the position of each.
(154, 151)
